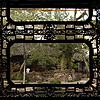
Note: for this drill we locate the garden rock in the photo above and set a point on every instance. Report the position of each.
(73, 74)
(69, 78)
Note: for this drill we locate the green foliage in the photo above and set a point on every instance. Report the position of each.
(19, 76)
(73, 64)
(51, 82)
(39, 88)
(50, 55)
(14, 67)
(27, 78)
(46, 56)
(55, 82)
(52, 68)
(85, 46)
(39, 15)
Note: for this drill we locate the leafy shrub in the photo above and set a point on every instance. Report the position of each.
(51, 82)
(77, 79)
(27, 78)
(19, 76)
(70, 80)
(55, 82)
(53, 68)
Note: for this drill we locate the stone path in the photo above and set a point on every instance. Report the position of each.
(82, 81)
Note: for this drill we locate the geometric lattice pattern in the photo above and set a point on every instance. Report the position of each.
(49, 31)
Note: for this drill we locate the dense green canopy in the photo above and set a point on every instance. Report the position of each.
(48, 55)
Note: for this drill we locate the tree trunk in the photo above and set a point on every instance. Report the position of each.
(62, 62)
(75, 12)
(86, 63)
(69, 66)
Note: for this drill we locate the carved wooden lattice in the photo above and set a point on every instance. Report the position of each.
(91, 88)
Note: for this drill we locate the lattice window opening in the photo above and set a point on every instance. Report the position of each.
(30, 46)
(82, 35)
(40, 33)
(49, 14)
(98, 14)
(59, 28)
(4, 13)
(67, 26)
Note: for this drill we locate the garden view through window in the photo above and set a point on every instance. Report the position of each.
(49, 63)
(49, 14)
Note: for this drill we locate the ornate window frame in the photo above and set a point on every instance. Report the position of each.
(49, 90)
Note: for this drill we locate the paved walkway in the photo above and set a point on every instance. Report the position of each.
(82, 81)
